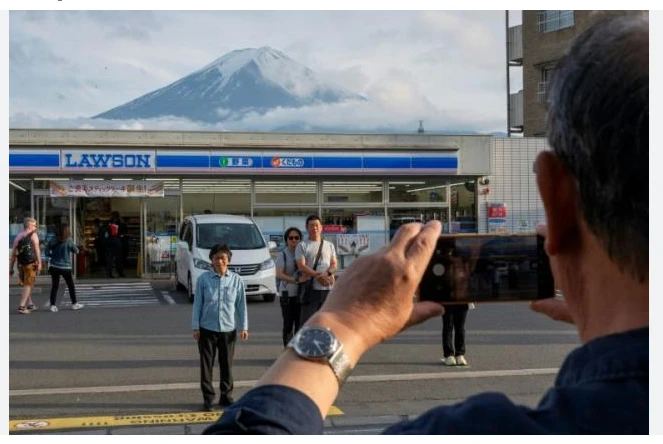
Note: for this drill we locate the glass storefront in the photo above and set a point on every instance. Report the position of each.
(359, 216)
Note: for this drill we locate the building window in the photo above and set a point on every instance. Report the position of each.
(421, 191)
(550, 21)
(352, 192)
(544, 85)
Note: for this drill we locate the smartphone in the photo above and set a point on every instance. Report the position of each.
(486, 268)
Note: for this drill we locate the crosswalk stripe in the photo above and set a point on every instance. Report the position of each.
(112, 295)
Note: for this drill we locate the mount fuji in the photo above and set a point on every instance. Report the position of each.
(240, 82)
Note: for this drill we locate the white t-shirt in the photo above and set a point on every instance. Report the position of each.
(309, 250)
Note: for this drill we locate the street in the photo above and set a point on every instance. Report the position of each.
(130, 352)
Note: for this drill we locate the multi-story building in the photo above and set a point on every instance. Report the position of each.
(537, 45)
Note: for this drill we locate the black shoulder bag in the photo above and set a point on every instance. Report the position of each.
(306, 288)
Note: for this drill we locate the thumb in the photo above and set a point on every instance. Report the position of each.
(422, 311)
(556, 309)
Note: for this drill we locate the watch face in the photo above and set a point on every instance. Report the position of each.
(315, 342)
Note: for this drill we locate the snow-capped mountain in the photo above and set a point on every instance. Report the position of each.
(242, 81)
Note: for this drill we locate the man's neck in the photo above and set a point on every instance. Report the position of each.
(608, 300)
(315, 238)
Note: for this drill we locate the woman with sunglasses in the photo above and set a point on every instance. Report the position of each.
(289, 280)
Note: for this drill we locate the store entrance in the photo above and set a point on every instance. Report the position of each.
(92, 214)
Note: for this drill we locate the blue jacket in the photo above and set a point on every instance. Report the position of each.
(602, 387)
(60, 253)
(218, 301)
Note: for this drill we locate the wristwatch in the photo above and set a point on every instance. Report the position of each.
(321, 345)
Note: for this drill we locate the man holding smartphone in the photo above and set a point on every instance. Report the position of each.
(595, 191)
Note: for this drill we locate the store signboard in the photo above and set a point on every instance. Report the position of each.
(214, 161)
(497, 218)
(106, 160)
(106, 188)
(352, 244)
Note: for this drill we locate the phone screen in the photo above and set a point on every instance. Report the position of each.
(484, 268)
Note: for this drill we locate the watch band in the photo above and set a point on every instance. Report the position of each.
(340, 365)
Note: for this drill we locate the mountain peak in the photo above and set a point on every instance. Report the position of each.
(235, 60)
(244, 80)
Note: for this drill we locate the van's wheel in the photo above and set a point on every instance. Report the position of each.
(190, 289)
(268, 297)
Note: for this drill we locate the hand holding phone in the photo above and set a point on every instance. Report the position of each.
(484, 268)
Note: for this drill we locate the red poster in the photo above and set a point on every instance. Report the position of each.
(497, 211)
(333, 229)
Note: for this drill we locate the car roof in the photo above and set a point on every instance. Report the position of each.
(220, 218)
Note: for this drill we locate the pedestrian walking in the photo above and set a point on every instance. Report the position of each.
(26, 252)
(60, 250)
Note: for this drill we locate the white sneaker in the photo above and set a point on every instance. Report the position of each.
(460, 360)
(449, 360)
(77, 306)
(54, 309)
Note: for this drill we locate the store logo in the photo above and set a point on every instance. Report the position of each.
(235, 162)
(287, 162)
(107, 160)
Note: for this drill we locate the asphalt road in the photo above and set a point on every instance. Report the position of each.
(113, 357)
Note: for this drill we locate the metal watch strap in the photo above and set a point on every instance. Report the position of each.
(340, 364)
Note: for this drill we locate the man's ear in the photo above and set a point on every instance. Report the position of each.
(559, 194)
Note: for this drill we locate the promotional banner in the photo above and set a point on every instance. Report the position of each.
(106, 188)
(352, 244)
(497, 218)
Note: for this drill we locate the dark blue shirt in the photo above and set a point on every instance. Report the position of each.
(602, 387)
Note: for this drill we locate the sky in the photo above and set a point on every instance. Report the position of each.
(446, 68)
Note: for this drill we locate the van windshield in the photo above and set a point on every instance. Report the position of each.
(236, 236)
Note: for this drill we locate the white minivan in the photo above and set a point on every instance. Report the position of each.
(251, 257)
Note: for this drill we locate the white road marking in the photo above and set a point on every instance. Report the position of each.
(368, 378)
(166, 295)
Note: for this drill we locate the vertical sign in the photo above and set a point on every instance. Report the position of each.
(497, 218)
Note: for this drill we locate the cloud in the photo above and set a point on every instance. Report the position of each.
(396, 106)
(446, 67)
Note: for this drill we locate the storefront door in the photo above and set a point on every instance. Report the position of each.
(50, 213)
(160, 223)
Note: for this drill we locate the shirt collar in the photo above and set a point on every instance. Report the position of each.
(607, 357)
(216, 273)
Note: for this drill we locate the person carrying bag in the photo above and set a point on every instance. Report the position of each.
(316, 259)
(289, 278)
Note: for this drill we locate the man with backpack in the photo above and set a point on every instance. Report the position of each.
(28, 255)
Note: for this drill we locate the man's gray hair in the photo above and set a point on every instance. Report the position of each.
(29, 220)
(598, 126)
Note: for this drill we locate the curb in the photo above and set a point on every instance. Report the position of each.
(333, 424)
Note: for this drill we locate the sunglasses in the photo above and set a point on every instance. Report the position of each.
(293, 237)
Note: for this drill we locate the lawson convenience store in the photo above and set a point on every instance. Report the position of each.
(363, 186)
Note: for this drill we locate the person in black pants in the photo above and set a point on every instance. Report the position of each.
(114, 231)
(60, 250)
(316, 260)
(453, 334)
(218, 317)
(289, 281)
